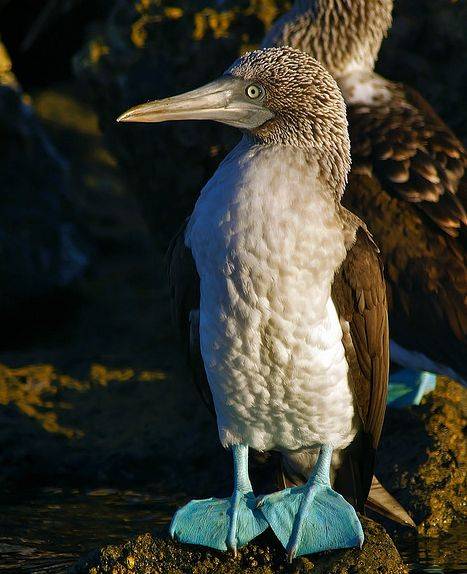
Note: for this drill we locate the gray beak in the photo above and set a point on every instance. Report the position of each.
(223, 100)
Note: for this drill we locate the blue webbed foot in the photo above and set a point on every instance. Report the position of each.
(223, 524)
(227, 523)
(407, 387)
(312, 518)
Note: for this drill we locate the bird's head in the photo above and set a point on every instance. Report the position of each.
(278, 96)
(341, 34)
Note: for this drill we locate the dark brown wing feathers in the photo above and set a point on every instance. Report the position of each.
(409, 184)
(359, 294)
(184, 294)
(414, 155)
(183, 283)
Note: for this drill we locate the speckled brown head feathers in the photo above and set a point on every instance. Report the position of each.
(339, 33)
(309, 110)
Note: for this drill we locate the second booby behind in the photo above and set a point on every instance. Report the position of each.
(280, 293)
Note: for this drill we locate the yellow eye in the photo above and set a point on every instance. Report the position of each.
(254, 91)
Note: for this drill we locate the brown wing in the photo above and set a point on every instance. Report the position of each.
(359, 294)
(425, 271)
(409, 184)
(184, 294)
(414, 155)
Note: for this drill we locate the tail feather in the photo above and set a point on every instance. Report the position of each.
(380, 501)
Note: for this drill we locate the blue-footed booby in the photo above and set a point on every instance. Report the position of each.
(280, 292)
(408, 183)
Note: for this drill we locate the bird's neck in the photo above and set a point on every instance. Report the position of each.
(341, 34)
(331, 156)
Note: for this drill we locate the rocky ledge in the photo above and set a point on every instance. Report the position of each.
(147, 554)
(422, 456)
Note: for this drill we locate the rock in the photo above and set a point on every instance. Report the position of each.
(109, 426)
(160, 555)
(7, 77)
(422, 457)
(40, 247)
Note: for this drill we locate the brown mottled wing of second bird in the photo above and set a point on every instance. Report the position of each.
(359, 295)
(185, 298)
(414, 155)
(408, 183)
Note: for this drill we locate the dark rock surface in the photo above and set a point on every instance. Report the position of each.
(41, 250)
(153, 48)
(160, 555)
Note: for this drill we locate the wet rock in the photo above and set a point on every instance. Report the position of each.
(40, 246)
(422, 458)
(161, 555)
(110, 426)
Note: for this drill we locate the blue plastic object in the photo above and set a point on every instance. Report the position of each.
(407, 387)
(222, 523)
(314, 517)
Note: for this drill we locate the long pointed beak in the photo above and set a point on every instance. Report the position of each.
(223, 100)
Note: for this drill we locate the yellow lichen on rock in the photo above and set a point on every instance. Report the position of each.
(102, 375)
(265, 10)
(36, 391)
(7, 78)
(97, 49)
(212, 20)
(422, 457)
(173, 12)
(149, 376)
(139, 33)
(144, 5)
(31, 389)
(446, 459)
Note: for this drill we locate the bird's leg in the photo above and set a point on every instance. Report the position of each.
(313, 517)
(223, 524)
(407, 387)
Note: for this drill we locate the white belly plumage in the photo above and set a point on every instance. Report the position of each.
(266, 242)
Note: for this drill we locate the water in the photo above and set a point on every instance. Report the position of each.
(444, 555)
(49, 529)
(45, 531)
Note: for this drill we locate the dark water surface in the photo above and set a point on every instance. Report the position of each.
(48, 529)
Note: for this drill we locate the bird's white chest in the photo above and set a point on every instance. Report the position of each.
(267, 242)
